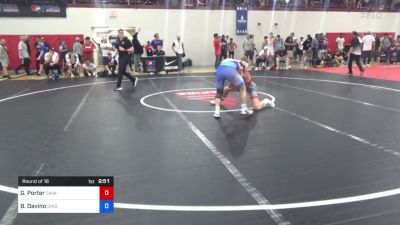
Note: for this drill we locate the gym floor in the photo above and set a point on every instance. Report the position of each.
(328, 138)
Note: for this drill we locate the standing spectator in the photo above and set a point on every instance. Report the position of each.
(179, 50)
(340, 43)
(38, 46)
(385, 45)
(4, 60)
(217, 50)
(395, 55)
(270, 49)
(44, 48)
(314, 48)
(300, 49)
(149, 49)
(289, 44)
(377, 48)
(78, 48)
(156, 41)
(89, 68)
(368, 42)
(355, 54)
(63, 50)
(231, 48)
(265, 42)
(125, 48)
(51, 62)
(249, 47)
(87, 50)
(138, 50)
(224, 48)
(105, 49)
(72, 62)
(23, 55)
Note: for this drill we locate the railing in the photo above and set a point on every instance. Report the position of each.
(314, 5)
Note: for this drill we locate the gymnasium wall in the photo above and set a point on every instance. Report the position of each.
(197, 26)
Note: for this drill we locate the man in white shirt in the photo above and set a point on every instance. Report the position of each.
(368, 45)
(51, 62)
(179, 50)
(89, 68)
(72, 61)
(23, 54)
(105, 48)
(340, 43)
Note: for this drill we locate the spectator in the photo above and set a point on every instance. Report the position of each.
(281, 56)
(137, 50)
(300, 49)
(340, 43)
(355, 54)
(111, 66)
(338, 59)
(385, 45)
(265, 42)
(23, 55)
(159, 51)
(64, 51)
(224, 48)
(87, 50)
(217, 50)
(156, 41)
(51, 62)
(314, 48)
(105, 49)
(249, 47)
(231, 48)
(89, 68)
(78, 48)
(395, 56)
(4, 60)
(149, 49)
(179, 50)
(368, 42)
(270, 49)
(289, 43)
(38, 46)
(73, 65)
(44, 48)
(377, 48)
(262, 57)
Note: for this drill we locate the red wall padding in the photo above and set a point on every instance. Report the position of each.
(347, 37)
(52, 40)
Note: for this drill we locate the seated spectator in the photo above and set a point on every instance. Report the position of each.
(281, 56)
(89, 69)
(149, 49)
(338, 59)
(262, 58)
(159, 51)
(112, 65)
(51, 62)
(327, 57)
(72, 60)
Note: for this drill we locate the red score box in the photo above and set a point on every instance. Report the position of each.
(106, 193)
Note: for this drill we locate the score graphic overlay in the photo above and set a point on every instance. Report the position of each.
(65, 194)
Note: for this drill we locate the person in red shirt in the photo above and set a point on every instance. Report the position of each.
(217, 50)
(88, 50)
(251, 89)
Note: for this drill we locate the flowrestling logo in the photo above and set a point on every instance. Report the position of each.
(206, 96)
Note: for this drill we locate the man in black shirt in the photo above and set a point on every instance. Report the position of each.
(125, 50)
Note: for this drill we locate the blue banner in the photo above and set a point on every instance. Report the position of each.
(241, 20)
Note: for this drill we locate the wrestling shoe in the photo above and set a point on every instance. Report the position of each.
(118, 89)
(246, 111)
(268, 103)
(136, 82)
(216, 115)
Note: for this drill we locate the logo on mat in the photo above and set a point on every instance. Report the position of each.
(206, 96)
